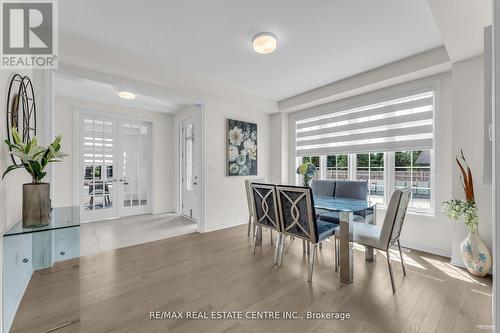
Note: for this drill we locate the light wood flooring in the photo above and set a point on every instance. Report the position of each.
(114, 291)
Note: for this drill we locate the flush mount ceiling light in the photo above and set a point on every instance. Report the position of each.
(264, 43)
(126, 95)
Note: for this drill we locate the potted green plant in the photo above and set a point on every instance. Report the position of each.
(306, 170)
(475, 254)
(34, 159)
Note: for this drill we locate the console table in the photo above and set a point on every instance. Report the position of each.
(26, 250)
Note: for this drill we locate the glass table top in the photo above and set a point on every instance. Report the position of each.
(339, 204)
(60, 218)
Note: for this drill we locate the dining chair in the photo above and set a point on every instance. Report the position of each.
(266, 213)
(298, 219)
(382, 238)
(324, 188)
(351, 189)
(251, 215)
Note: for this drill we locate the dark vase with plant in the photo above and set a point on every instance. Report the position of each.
(34, 159)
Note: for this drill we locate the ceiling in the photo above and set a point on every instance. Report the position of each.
(108, 94)
(462, 23)
(318, 42)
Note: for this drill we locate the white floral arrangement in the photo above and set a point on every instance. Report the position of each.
(462, 210)
(242, 149)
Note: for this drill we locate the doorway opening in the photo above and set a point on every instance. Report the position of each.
(121, 168)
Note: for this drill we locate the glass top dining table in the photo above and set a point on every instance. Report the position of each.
(346, 207)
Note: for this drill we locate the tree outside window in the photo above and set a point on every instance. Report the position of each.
(337, 167)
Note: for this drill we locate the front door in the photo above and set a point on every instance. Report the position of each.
(190, 201)
(114, 167)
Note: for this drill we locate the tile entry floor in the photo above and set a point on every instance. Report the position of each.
(112, 234)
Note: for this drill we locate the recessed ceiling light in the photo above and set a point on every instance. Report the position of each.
(126, 95)
(264, 43)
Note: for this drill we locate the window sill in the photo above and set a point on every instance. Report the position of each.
(427, 213)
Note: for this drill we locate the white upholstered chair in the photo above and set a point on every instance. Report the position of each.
(382, 238)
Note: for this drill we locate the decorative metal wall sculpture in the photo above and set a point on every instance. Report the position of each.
(21, 109)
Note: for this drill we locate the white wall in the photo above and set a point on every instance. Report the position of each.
(225, 198)
(279, 146)
(468, 131)
(163, 151)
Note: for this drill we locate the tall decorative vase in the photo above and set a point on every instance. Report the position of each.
(475, 254)
(307, 181)
(36, 205)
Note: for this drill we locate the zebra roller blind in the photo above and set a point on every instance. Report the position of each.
(402, 123)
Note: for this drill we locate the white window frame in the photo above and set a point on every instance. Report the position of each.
(431, 83)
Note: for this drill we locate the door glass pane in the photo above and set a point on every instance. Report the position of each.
(98, 160)
(188, 157)
(135, 156)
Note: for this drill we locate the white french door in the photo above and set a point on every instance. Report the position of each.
(114, 166)
(134, 168)
(190, 134)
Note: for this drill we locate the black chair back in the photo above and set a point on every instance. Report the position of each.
(266, 208)
(296, 211)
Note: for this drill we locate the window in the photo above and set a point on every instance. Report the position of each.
(413, 169)
(370, 167)
(337, 167)
(387, 141)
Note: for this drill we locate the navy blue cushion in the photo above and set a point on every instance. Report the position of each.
(325, 229)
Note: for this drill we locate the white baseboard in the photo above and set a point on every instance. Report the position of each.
(428, 249)
(228, 224)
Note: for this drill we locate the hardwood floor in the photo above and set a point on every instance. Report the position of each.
(115, 291)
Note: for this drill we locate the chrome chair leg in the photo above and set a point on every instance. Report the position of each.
(401, 257)
(277, 250)
(255, 238)
(271, 238)
(311, 262)
(390, 271)
(337, 253)
(308, 247)
(304, 246)
(249, 224)
(281, 251)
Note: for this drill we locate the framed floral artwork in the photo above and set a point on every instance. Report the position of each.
(241, 148)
